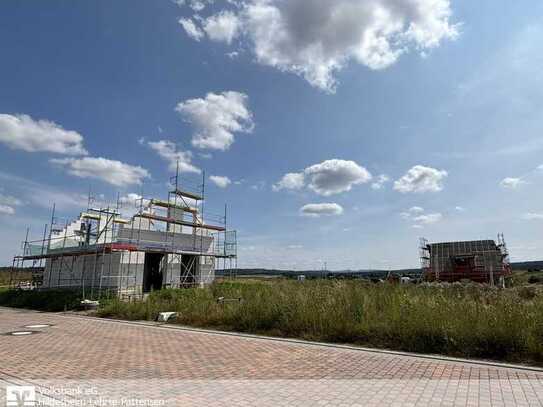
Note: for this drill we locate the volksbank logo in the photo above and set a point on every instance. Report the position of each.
(20, 396)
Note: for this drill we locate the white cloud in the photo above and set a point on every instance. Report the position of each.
(335, 176)
(380, 181)
(128, 203)
(321, 209)
(7, 204)
(196, 5)
(327, 178)
(416, 209)
(292, 181)
(223, 26)
(532, 216)
(111, 171)
(512, 183)
(421, 179)
(460, 208)
(129, 198)
(21, 132)
(259, 186)
(9, 200)
(216, 118)
(167, 150)
(417, 215)
(40, 194)
(131, 203)
(6, 210)
(315, 39)
(428, 219)
(220, 181)
(191, 29)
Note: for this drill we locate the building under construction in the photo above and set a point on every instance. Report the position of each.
(483, 261)
(163, 243)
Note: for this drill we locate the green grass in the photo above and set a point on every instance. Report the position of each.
(525, 277)
(457, 320)
(468, 321)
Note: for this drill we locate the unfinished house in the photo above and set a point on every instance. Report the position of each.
(162, 244)
(482, 261)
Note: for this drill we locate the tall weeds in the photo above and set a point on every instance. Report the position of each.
(470, 321)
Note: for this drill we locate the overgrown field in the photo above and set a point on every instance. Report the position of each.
(458, 320)
(469, 321)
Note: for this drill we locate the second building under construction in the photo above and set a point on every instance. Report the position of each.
(163, 244)
(483, 261)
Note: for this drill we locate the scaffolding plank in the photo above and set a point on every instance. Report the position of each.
(182, 222)
(187, 194)
(120, 220)
(90, 216)
(166, 204)
(79, 251)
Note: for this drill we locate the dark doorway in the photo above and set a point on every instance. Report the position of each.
(152, 272)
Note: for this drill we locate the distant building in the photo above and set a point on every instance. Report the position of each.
(482, 261)
(405, 280)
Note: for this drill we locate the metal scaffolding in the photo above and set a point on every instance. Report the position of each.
(483, 261)
(102, 251)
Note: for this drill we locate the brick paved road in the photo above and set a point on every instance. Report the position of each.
(102, 361)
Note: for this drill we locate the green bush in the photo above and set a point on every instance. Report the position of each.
(50, 300)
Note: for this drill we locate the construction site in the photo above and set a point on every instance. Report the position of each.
(163, 243)
(482, 261)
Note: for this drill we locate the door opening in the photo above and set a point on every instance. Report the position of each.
(152, 272)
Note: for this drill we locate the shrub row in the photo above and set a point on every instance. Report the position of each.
(50, 300)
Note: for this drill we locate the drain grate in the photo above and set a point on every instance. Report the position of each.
(37, 326)
(22, 333)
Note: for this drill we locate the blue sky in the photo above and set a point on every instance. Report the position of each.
(447, 112)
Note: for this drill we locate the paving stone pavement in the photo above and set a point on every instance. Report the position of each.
(88, 361)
